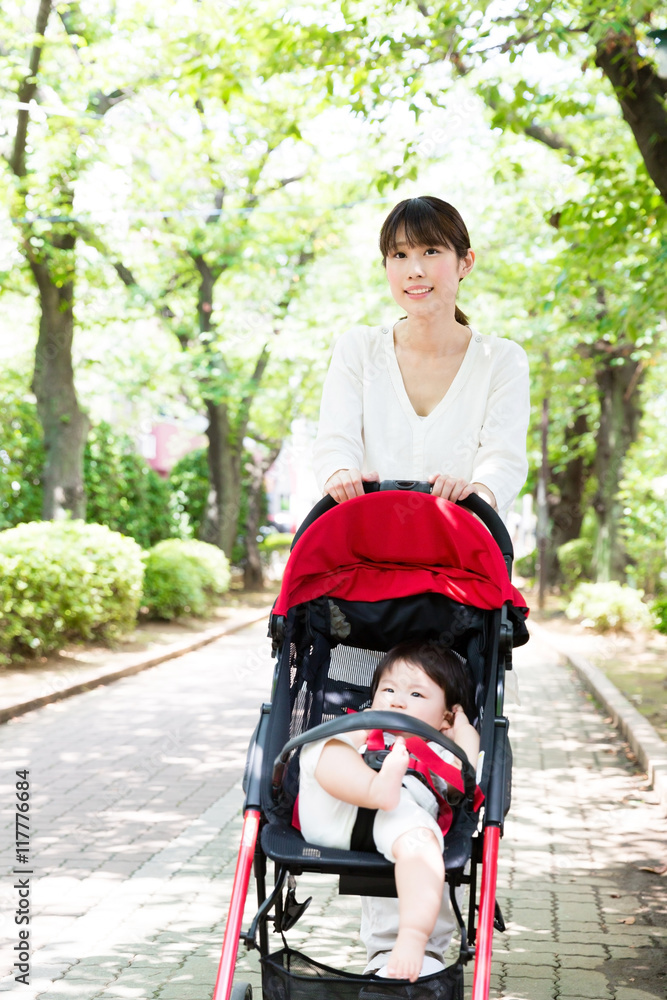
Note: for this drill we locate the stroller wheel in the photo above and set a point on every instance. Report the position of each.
(241, 991)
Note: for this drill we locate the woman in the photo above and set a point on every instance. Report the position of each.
(429, 398)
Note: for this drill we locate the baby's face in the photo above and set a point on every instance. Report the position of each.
(406, 688)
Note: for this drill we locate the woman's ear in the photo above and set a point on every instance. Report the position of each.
(466, 264)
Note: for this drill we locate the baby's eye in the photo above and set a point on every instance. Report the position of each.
(416, 694)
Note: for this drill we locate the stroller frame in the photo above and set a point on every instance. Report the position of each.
(482, 836)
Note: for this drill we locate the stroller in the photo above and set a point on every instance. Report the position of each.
(394, 564)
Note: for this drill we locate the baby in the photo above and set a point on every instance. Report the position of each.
(427, 682)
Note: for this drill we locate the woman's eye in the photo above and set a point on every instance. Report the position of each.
(432, 250)
(399, 254)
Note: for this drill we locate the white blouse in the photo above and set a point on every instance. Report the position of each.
(476, 432)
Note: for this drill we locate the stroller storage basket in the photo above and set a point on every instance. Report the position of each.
(289, 975)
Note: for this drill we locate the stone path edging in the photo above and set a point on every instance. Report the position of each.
(646, 744)
(142, 661)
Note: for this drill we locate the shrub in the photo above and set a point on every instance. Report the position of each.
(123, 492)
(277, 541)
(63, 581)
(526, 566)
(659, 609)
(183, 578)
(575, 559)
(21, 453)
(189, 487)
(609, 606)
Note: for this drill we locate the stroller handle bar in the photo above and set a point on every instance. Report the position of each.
(474, 503)
(388, 722)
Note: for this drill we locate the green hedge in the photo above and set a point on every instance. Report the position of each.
(183, 578)
(123, 492)
(659, 609)
(63, 581)
(575, 559)
(609, 607)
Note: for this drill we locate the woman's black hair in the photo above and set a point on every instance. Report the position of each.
(426, 221)
(442, 665)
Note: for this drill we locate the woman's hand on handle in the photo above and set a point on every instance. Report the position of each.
(452, 488)
(348, 483)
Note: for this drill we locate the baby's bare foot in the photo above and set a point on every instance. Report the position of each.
(407, 955)
(387, 788)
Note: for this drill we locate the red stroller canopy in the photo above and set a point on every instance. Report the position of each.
(396, 544)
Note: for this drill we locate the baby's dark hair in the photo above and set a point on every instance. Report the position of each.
(446, 668)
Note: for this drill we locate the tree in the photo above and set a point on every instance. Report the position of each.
(224, 275)
(47, 157)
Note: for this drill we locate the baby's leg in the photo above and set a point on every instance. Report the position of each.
(420, 874)
(343, 773)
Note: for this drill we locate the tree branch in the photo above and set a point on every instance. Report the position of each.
(550, 138)
(641, 94)
(249, 395)
(28, 89)
(99, 102)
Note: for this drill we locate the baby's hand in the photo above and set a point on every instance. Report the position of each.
(455, 722)
(461, 732)
(399, 752)
(387, 781)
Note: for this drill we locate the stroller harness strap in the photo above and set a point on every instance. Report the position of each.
(424, 762)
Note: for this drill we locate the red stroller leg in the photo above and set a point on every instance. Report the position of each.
(230, 944)
(487, 909)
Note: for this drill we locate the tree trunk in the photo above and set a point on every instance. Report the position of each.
(567, 510)
(64, 424)
(641, 94)
(220, 521)
(618, 378)
(253, 574)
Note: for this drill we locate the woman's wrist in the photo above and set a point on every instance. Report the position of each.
(486, 494)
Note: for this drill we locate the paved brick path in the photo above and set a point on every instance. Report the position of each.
(135, 812)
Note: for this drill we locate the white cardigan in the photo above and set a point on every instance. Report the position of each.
(476, 432)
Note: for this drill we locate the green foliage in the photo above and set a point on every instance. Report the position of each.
(63, 581)
(659, 609)
(188, 492)
(575, 559)
(526, 566)
(189, 487)
(21, 453)
(183, 578)
(609, 607)
(277, 541)
(123, 492)
(644, 490)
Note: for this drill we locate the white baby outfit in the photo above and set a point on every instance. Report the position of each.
(328, 822)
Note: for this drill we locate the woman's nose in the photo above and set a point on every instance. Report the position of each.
(416, 268)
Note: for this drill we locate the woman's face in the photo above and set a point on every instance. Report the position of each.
(424, 280)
